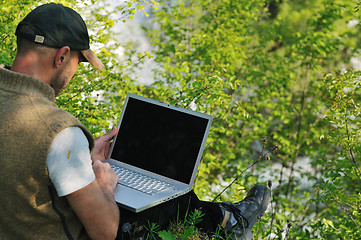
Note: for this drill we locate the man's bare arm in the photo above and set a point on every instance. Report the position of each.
(95, 205)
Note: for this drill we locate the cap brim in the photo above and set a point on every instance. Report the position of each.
(93, 59)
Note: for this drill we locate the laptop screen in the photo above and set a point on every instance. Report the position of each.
(159, 139)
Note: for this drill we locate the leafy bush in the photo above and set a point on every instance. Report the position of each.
(265, 69)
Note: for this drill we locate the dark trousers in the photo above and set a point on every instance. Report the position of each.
(165, 213)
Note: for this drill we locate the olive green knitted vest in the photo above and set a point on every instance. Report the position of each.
(29, 121)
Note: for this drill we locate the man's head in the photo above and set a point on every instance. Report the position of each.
(54, 25)
(52, 40)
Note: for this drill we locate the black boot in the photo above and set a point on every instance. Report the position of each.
(239, 218)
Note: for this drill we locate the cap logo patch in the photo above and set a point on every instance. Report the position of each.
(39, 39)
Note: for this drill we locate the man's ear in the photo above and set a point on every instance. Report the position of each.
(62, 56)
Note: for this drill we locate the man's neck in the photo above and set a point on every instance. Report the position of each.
(33, 65)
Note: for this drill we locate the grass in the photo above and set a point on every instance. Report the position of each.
(182, 230)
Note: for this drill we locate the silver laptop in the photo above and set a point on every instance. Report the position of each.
(156, 152)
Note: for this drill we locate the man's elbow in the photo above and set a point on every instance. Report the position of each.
(105, 230)
(110, 232)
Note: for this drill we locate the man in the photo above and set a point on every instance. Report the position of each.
(53, 184)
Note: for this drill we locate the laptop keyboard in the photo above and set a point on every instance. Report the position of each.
(140, 181)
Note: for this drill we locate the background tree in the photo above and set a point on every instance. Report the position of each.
(279, 79)
(257, 66)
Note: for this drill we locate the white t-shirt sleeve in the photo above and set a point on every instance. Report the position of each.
(69, 162)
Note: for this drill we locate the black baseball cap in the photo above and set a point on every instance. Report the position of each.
(55, 25)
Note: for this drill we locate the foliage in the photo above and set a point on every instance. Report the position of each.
(256, 67)
(271, 72)
(184, 230)
(340, 187)
(95, 97)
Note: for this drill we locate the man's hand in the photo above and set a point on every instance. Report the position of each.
(105, 176)
(102, 145)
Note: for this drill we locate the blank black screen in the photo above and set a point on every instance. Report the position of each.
(159, 139)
